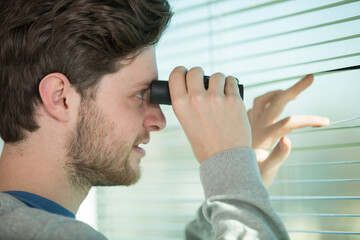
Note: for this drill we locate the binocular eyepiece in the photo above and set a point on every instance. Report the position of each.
(160, 94)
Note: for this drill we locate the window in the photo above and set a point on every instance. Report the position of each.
(268, 45)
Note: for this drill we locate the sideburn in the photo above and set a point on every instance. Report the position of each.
(95, 158)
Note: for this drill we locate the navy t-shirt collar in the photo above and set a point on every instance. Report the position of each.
(36, 201)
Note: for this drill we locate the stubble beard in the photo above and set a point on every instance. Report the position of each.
(94, 157)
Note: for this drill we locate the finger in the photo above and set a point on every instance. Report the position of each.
(217, 83)
(292, 92)
(289, 124)
(279, 153)
(231, 87)
(177, 84)
(278, 102)
(270, 167)
(261, 102)
(195, 80)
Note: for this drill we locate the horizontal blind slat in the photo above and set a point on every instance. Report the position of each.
(282, 214)
(209, 18)
(255, 39)
(319, 164)
(245, 73)
(325, 129)
(291, 78)
(182, 40)
(285, 181)
(328, 146)
(324, 232)
(196, 6)
(257, 55)
(317, 198)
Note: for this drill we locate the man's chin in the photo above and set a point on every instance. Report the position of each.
(135, 177)
(124, 175)
(133, 171)
(129, 178)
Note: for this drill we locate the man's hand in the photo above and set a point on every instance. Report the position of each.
(213, 120)
(266, 130)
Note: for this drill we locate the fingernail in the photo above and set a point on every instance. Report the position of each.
(325, 121)
(282, 145)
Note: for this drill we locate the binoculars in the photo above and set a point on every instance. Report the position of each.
(160, 94)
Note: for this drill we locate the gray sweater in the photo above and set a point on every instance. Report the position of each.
(237, 206)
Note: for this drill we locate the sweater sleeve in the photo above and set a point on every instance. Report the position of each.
(237, 205)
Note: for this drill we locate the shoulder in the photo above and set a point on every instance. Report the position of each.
(19, 221)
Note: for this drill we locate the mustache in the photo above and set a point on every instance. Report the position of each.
(142, 138)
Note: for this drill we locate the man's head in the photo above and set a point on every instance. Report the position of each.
(100, 50)
(82, 39)
(104, 148)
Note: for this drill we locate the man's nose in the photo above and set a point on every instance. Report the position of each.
(154, 118)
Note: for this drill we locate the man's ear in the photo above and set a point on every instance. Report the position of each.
(54, 91)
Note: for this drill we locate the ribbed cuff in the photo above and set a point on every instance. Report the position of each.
(231, 172)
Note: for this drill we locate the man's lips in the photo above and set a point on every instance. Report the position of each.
(139, 149)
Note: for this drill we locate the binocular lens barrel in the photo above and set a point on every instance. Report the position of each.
(160, 94)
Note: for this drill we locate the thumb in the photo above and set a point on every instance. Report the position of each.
(271, 165)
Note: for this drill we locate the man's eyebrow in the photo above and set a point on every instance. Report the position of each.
(145, 84)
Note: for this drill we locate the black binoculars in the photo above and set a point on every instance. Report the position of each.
(160, 94)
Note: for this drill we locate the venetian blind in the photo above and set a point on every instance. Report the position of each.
(268, 45)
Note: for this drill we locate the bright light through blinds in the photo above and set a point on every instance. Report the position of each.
(268, 45)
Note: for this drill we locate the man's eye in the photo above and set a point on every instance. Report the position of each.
(140, 95)
(144, 95)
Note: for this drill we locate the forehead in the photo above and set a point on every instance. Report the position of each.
(140, 71)
(142, 68)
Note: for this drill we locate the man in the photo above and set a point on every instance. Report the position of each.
(75, 108)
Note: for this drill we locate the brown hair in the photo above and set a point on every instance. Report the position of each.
(83, 39)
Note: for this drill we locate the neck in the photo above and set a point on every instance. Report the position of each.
(39, 172)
